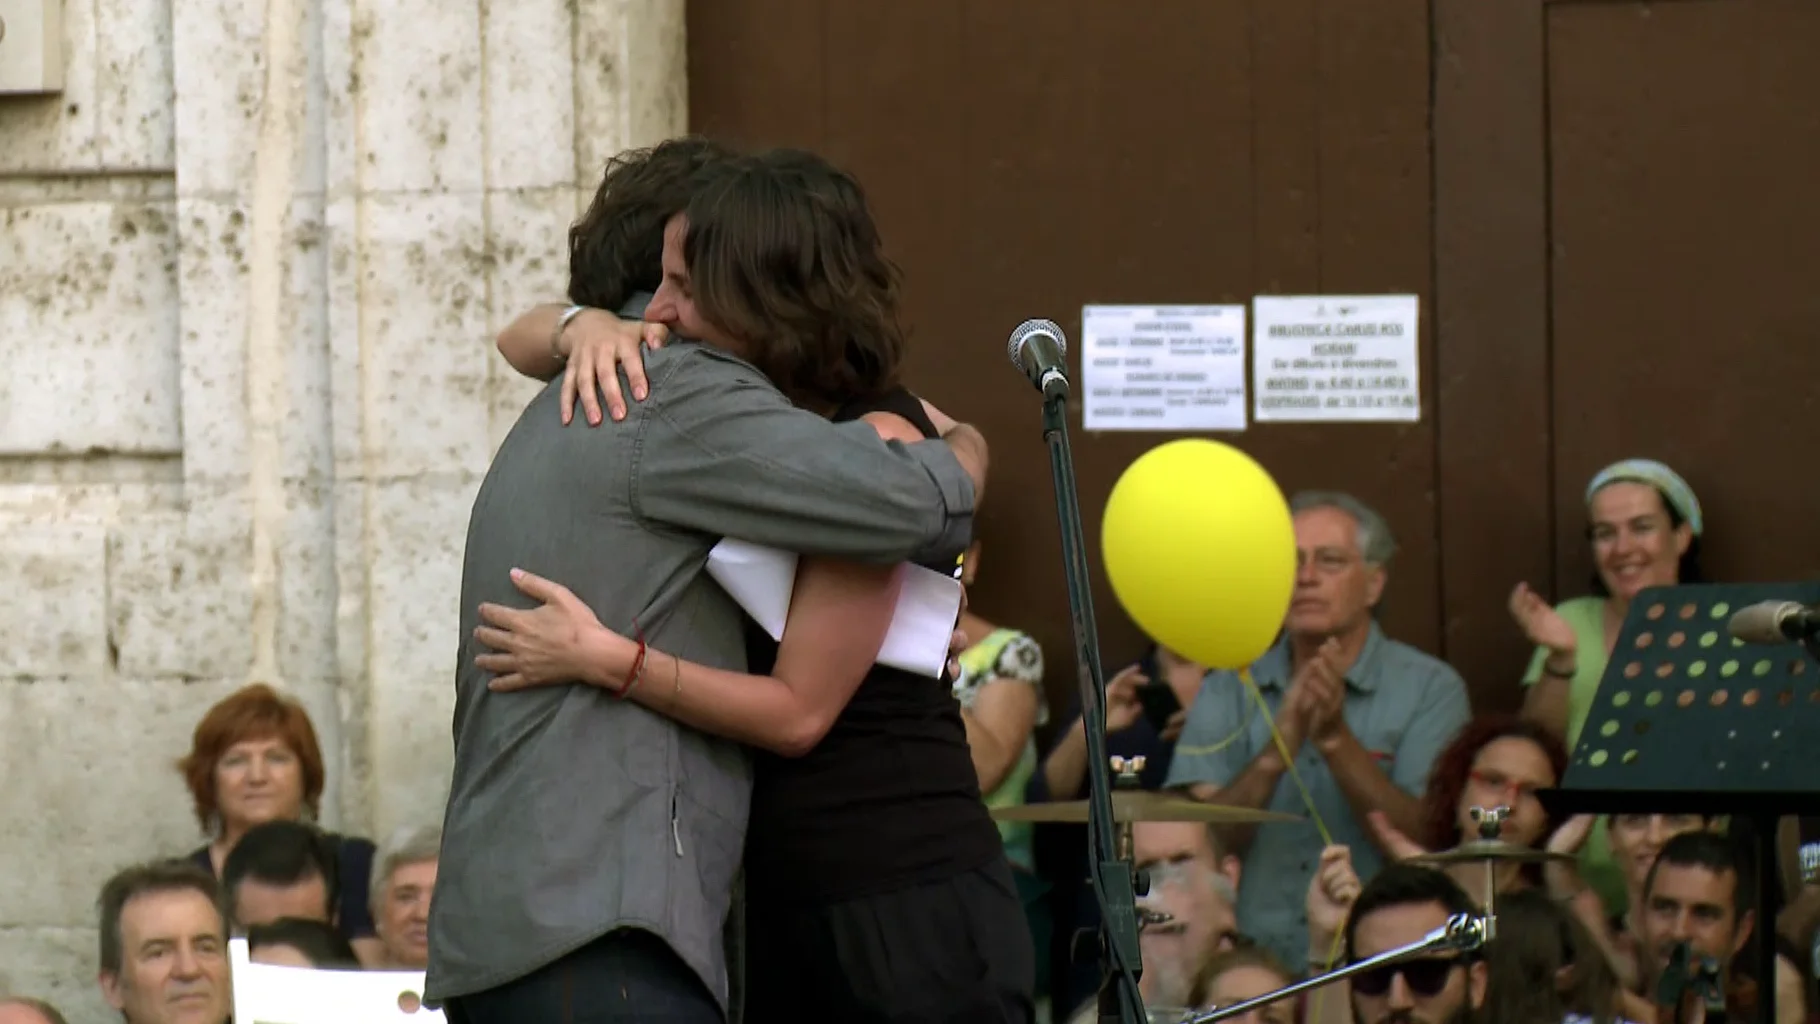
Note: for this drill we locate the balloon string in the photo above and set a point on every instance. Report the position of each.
(1201, 750)
(1276, 737)
(1314, 814)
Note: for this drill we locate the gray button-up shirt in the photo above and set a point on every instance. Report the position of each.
(1404, 706)
(573, 813)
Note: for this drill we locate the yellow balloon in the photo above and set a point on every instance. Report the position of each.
(1200, 550)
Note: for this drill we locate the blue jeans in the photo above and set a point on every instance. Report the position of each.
(622, 977)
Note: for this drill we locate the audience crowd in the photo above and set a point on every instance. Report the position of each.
(1370, 742)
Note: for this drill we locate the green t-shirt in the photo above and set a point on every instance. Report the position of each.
(1586, 615)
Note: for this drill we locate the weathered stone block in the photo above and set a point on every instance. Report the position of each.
(136, 90)
(421, 60)
(56, 965)
(88, 328)
(530, 266)
(413, 749)
(212, 245)
(530, 94)
(218, 74)
(219, 354)
(307, 581)
(91, 782)
(630, 85)
(57, 131)
(343, 318)
(53, 612)
(419, 527)
(423, 342)
(180, 597)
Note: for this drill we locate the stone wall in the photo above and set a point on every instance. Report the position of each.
(252, 261)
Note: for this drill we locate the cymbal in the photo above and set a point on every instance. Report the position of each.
(1140, 805)
(1481, 850)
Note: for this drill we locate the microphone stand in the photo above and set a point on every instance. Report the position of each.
(1463, 932)
(1112, 878)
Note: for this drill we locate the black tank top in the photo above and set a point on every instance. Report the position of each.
(889, 798)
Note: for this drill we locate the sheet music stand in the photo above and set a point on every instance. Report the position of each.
(1689, 721)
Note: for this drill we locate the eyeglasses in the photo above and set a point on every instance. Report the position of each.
(1326, 562)
(1425, 977)
(1503, 783)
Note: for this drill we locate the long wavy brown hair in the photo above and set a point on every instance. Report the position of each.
(784, 256)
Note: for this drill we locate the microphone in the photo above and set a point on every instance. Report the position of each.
(1040, 349)
(1776, 622)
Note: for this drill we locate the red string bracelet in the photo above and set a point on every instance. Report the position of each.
(638, 663)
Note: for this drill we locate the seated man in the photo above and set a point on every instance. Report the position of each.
(1362, 715)
(1699, 894)
(289, 942)
(1401, 906)
(277, 870)
(164, 946)
(1196, 885)
(404, 874)
(23, 1010)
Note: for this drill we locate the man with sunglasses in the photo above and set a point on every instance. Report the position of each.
(1402, 904)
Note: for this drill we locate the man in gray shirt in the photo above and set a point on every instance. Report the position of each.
(1361, 715)
(590, 846)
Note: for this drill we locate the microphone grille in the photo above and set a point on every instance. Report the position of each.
(1030, 327)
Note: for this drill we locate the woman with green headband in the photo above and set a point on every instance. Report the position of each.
(1645, 526)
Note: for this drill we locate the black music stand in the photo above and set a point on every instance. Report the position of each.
(1689, 721)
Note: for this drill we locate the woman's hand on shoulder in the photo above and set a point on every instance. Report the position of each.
(598, 344)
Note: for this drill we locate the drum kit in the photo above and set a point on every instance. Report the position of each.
(1131, 806)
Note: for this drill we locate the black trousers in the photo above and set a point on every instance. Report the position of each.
(950, 952)
(622, 977)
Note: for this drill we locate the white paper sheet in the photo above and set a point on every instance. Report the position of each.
(1336, 358)
(761, 579)
(1163, 367)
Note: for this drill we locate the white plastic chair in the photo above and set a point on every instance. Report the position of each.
(269, 994)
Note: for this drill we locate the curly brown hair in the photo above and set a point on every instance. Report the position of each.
(784, 256)
(1447, 778)
(616, 248)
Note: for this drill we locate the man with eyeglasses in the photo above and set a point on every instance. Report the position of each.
(1362, 716)
(1401, 905)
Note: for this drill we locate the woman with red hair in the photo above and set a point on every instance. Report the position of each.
(253, 759)
(1495, 761)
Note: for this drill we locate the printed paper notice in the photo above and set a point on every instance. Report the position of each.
(1163, 367)
(1336, 358)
